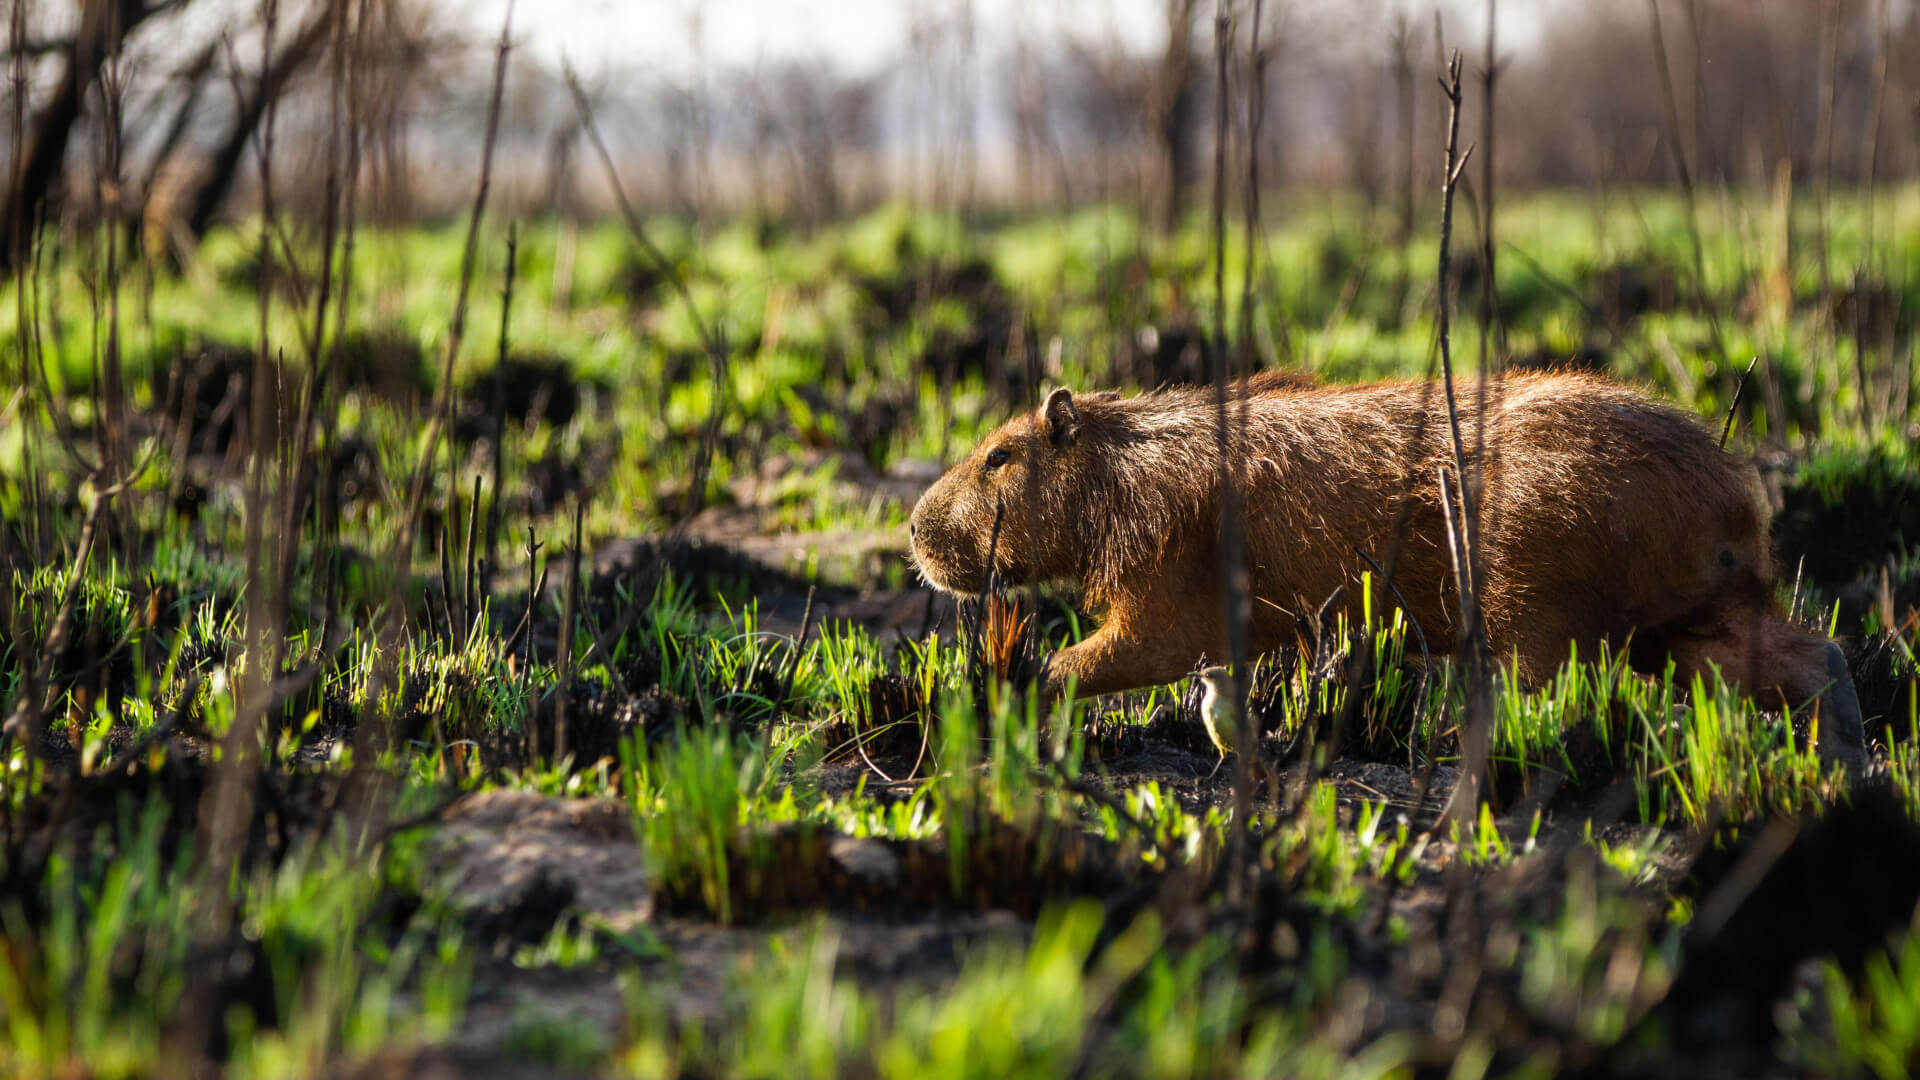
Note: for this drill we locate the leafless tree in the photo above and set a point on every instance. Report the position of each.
(103, 29)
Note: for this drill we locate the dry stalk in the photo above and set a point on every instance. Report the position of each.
(1256, 115)
(1869, 173)
(711, 337)
(470, 598)
(523, 635)
(227, 807)
(1829, 76)
(499, 409)
(1490, 325)
(1677, 153)
(440, 416)
(1733, 407)
(297, 470)
(30, 711)
(400, 554)
(1235, 593)
(570, 607)
(1473, 641)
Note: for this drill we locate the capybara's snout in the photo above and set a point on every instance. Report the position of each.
(941, 545)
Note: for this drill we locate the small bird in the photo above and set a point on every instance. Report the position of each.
(1217, 710)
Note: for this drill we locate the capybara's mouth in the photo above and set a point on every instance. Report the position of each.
(939, 577)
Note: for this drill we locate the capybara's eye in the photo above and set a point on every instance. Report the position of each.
(997, 458)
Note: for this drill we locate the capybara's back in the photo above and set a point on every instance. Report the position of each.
(1605, 515)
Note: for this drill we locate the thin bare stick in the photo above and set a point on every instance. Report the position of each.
(570, 608)
(1256, 114)
(297, 471)
(709, 336)
(1869, 174)
(227, 807)
(1829, 75)
(470, 598)
(350, 182)
(448, 600)
(1677, 153)
(799, 646)
(1234, 597)
(1733, 407)
(1473, 643)
(30, 710)
(1490, 326)
(499, 410)
(536, 584)
(441, 415)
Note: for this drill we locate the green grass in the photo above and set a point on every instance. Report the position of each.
(830, 335)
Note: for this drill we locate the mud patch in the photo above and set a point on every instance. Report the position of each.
(1789, 892)
(516, 862)
(1000, 866)
(1847, 518)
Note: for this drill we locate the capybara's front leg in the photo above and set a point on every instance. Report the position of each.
(1771, 658)
(1115, 657)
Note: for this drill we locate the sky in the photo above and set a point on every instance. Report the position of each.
(859, 35)
(862, 36)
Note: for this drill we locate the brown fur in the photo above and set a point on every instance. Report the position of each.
(1606, 515)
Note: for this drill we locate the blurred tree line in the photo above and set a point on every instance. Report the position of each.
(146, 111)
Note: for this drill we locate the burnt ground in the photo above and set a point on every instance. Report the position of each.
(1433, 956)
(1429, 956)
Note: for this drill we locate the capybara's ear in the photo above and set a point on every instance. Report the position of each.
(1059, 420)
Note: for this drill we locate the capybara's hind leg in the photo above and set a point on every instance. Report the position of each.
(1781, 665)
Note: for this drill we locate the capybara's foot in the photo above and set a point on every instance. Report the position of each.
(1843, 732)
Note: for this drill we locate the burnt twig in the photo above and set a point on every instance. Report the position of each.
(1473, 642)
(1733, 407)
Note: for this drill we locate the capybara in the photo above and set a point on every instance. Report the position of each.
(1605, 515)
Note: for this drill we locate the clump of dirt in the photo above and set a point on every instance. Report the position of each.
(976, 350)
(1467, 271)
(920, 281)
(893, 716)
(389, 366)
(526, 916)
(517, 864)
(599, 720)
(712, 573)
(210, 391)
(253, 274)
(1586, 769)
(639, 281)
(1842, 527)
(1001, 644)
(682, 365)
(354, 475)
(1175, 353)
(892, 720)
(1870, 306)
(871, 428)
(1885, 681)
(1001, 866)
(1788, 892)
(982, 347)
(867, 429)
(78, 815)
(1625, 290)
(534, 388)
(552, 480)
(107, 631)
